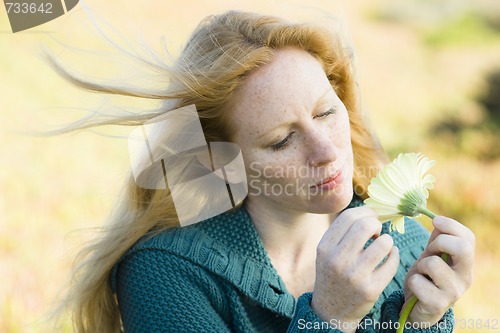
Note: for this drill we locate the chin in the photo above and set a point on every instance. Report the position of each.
(328, 204)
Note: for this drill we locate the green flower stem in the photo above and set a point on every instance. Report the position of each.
(406, 312)
(426, 212)
(413, 300)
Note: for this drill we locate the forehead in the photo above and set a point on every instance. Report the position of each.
(292, 82)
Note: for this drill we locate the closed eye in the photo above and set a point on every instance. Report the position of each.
(329, 112)
(283, 143)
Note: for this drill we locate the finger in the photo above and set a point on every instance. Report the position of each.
(426, 252)
(460, 250)
(431, 298)
(443, 277)
(343, 222)
(434, 234)
(445, 243)
(449, 226)
(438, 271)
(358, 234)
(461, 253)
(376, 252)
(387, 270)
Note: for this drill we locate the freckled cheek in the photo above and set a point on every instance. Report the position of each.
(341, 135)
(272, 168)
(342, 141)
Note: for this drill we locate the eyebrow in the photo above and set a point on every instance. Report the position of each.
(321, 98)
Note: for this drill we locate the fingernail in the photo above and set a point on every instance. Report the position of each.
(437, 221)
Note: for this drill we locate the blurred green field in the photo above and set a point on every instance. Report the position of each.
(423, 75)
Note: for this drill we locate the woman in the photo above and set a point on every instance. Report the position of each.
(305, 259)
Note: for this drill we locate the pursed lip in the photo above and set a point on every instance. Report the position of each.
(335, 178)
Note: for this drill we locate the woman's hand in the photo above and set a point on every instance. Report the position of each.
(349, 279)
(438, 284)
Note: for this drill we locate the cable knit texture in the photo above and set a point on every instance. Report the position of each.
(215, 276)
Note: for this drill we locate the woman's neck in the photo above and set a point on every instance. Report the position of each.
(290, 239)
(286, 228)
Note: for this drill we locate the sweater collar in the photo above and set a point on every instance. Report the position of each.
(238, 255)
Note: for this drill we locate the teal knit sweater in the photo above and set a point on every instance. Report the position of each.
(215, 276)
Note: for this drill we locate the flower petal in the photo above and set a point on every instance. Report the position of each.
(381, 193)
(400, 188)
(390, 218)
(399, 224)
(428, 181)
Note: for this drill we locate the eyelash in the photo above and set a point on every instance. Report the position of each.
(283, 143)
(330, 111)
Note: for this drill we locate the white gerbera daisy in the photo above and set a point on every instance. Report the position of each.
(401, 189)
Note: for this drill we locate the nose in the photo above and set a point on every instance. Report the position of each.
(321, 149)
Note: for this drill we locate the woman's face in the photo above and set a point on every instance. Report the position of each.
(294, 134)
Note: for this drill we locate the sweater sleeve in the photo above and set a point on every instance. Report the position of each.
(306, 320)
(158, 295)
(390, 314)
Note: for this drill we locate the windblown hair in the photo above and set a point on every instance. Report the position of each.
(222, 51)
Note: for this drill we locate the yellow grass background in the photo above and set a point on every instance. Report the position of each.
(54, 191)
